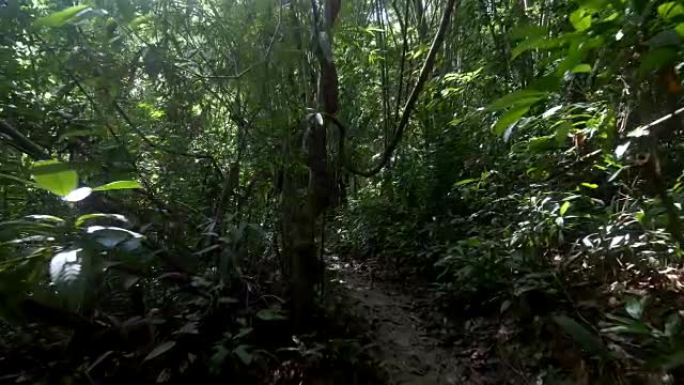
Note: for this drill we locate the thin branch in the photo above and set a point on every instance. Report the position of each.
(404, 50)
(644, 130)
(150, 143)
(411, 102)
(21, 142)
(244, 72)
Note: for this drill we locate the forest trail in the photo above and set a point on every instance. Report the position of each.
(404, 330)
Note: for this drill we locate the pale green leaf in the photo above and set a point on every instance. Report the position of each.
(581, 69)
(589, 185)
(465, 181)
(45, 217)
(55, 176)
(62, 17)
(580, 19)
(564, 208)
(119, 185)
(670, 10)
(83, 218)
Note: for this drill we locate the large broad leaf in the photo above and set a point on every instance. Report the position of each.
(119, 185)
(540, 144)
(55, 176)
(509, 118)
(65, 267)
(518, 98)
(538, 43)
(111, 236)
(62, 17)
(590, 342)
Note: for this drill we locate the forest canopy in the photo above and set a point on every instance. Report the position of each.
(273, 191)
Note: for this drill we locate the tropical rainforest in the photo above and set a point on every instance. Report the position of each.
(341, 192)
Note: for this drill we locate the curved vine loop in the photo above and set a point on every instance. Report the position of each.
(425, 71)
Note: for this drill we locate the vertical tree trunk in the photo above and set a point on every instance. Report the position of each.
(303, 204)
(298, 245)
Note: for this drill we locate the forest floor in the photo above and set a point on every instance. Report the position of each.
(415, 343)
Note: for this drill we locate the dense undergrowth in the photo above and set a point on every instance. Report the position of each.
(173, 173)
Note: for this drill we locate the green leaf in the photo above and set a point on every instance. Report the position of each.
(45, 217)
(585, 338)
(83, 218)
(62, 17)
(679, 28)
(518, 98)
(160, 349)
(562, 130)
(564, 208)
(589, 185)
(580, 19)
(670, 10)
(631, 328)
(542, 143)
(551, 111)
(509, 118)
(539, 43)
(119, 185)
(466, 181)
(581, 69)
(55, 176)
